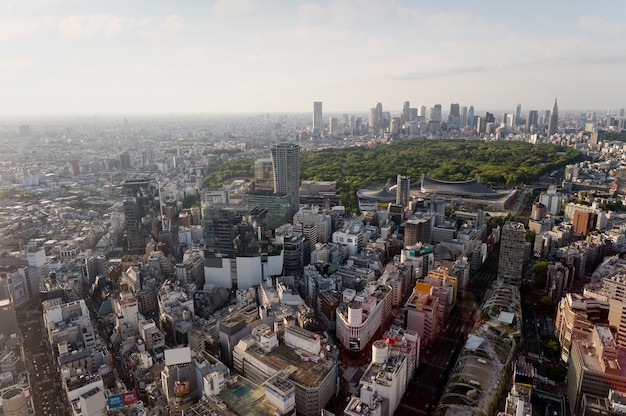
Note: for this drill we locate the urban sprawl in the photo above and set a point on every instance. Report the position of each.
(130, 287)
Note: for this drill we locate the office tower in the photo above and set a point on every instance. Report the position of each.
(518, 114)
(594, 140)
(403, 190)
(142, 208)
(463, 123)
(376, 118)
(263, 174)
(533, 118)
(454, 118)
(125, 160)
(509, 123)
(318, 123)
(423, 112)
(512, 248)
(417, 230)
(471, 122)
(435, 113)
(333, 125)
(286, 161)
(405, 113)
(554, 119)
(470, 117)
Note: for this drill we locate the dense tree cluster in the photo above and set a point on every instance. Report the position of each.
(614, 136)
(502, 163)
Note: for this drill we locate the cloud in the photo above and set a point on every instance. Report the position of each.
(17, 27)
(174, 23)
(16, 63)
(440, 73)
(235, 7)
(596, 24)
(100, 24)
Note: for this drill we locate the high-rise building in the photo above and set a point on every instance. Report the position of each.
(286, 162)
(405, 113)
(376, 118)
(518, 114)
(512, 248)
(554, 119)
(533, 118)
(333, 125)
(463, 123)
(263, 174)
(470, 117)
(454, 118)
(435, 113)
(318, 123)
(403, 190)
(417, 230)
(141, 209)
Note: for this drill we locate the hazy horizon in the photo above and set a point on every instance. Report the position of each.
(76, 57)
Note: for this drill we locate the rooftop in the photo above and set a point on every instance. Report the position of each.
(308, 373)
(245, 398)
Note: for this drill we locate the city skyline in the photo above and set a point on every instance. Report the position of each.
(249, 56)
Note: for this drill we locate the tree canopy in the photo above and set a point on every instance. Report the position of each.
(502, 163)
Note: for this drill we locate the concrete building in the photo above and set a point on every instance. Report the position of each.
(403, 190)
(260, 356)
(600, 222)
(361, 315)
(286, 163)
(263, 174)
(595, 368)
(418, 230)
(423, 315)
(351, 236)
(318, 121)
(554, 119)
(420, 258)
(576, 317)
(387, 377)
(512, 249)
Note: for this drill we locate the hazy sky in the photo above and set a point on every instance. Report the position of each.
(143, 56)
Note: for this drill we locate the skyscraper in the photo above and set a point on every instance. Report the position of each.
(403, 190)
(454, 118)
(518, 114)
(286, 163)
(405, 113)
(554, 119)
(533, 119)
(512, 248)
(318, 123)
(376, 118)
(470, 117)
(463, 117)
(435, 113)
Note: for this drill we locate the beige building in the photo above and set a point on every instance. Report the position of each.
(595, 367)
(576, 317)
(259, 357)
